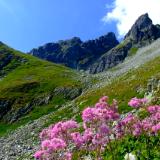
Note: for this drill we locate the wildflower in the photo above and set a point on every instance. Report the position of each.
(137, 103)
(45, 144)
(137, 129)
(153, 109)
(130, 156)
(77, 139)
(103, 99)
(156, 128)
(104, 129)
(39, 154)
(68, 156)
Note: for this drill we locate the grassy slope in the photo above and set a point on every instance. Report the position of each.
(32, 79)
(124, 87)
(49, 75)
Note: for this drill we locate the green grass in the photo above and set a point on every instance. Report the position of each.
(32, 79)
(36, 78)
(124, 87)
(122, 44)
(133, 51)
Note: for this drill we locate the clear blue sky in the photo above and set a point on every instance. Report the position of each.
(25, 24)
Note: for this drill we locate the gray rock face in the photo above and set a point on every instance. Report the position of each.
(9, 112)
(5, 106)
(74, 53)
(143, 30)
(153, 86)
(5, 60)
(142, 33)
(110, 59)
(102, 53)
(69, 92)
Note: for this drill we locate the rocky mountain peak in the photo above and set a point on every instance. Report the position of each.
(71, 42)
(143, 31)
(99, 54)
(143, 21)
(75, 53)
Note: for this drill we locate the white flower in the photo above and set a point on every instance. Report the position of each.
(130, 156)
(87, 157)
(149, 97)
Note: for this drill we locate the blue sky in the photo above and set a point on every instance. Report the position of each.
(25, 24)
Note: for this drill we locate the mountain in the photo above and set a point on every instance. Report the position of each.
(30, 87)
(103, 53)
(74, 53)
(28, 83)
(35, 93)
(137, 75)
(142, 33)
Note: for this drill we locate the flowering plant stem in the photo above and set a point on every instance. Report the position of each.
(148, 148)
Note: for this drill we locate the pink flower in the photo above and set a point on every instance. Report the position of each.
(101, 105)
(127, 120)
(61, 128)
(39, 154)
(103, 99)
(136, 103)
(104, 129)
(119, 130)
(57, 144)
(44, 134)
(88, 135)
(147, 125)
(137, 129)
(69, 125)
(45, 144)
(101, 124)
(90, 114)
(156, 128)
(157, 116)
(153, 109)
(68, 156)
(77, 139)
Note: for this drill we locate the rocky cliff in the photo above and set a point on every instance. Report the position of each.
(74, 53)
(102, 53)
(142, 33)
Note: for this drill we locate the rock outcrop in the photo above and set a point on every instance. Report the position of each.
(12, 109)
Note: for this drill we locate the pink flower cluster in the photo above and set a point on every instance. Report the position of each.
(55, 140)
(102, 124)
(137, 103)
(136, 126)
(153, 109)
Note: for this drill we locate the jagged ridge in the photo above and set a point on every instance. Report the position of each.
(100, 54)
(142, 33)
(74, 53)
